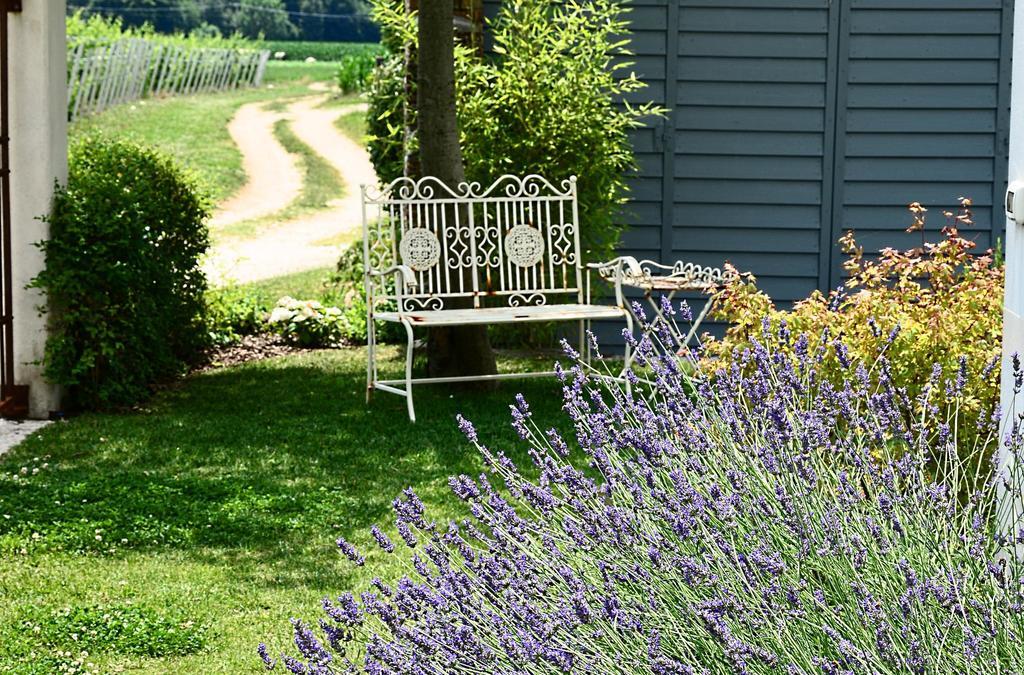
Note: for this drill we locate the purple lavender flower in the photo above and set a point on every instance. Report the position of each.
(350, 551)
(757, 519)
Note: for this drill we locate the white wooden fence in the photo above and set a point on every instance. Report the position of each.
(104, 75)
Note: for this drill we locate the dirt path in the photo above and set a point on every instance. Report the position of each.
(298, 244)
(274, 179)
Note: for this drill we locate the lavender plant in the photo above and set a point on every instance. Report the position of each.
(755, 520)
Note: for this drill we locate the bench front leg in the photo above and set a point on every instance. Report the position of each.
(408, 370)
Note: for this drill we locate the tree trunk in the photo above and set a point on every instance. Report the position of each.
(458, 350)
(411, 161)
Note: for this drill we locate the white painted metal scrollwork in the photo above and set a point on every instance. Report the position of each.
(516, 236)
(506, 252)
(678, 276)
(506, 187)
(524, 245)
(420, 249)
(521, 300)
(563, 249)
(413, 303)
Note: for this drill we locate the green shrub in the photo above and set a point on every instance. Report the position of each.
(932, 306)
(96, 29)
(233, 312)
(385, 117)
(354, 71)
(548, 102)
(308, 323)
(122, 273)
(300, 50)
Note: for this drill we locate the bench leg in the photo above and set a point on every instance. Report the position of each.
(408, 372)
(371, 357)
(628, 356)
(584, 352)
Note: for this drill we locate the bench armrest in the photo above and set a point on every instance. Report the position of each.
(612, 270)
(404, 271)
(617, 264)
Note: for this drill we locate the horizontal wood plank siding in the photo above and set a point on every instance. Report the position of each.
(751, 122)
(925, 98)
(791, 121)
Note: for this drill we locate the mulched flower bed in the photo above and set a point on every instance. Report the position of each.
(250, 348)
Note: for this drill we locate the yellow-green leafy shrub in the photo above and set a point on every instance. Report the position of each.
(935, 305)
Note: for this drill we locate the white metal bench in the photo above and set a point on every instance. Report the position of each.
(441, 256)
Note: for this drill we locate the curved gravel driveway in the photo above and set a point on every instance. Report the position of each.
(293, 245)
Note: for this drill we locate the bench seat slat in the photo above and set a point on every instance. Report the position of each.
(485, 315)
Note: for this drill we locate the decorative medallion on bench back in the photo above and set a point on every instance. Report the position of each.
(524, 245)
(420, 249)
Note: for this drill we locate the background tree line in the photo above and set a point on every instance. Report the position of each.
(328, 20)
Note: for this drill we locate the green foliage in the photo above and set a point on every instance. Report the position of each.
(385, 118)
(97, 29)
(298, 50)
(166, 16)
(125, 629)
(261, 18)
(122, 273)
(94, 29)
(237, 310)
(549, 102)
(354, 71)
(232, 312)
(308, 323)
(928, 306)
(334, 20)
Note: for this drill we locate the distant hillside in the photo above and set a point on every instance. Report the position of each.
(327, 20)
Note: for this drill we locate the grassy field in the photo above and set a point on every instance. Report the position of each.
(174, 538)
(194, 128)
(288, 71)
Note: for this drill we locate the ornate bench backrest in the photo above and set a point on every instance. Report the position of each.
(514, 243)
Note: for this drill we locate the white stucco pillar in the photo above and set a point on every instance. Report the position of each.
(38, 152)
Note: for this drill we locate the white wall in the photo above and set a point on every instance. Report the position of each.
(38, 130)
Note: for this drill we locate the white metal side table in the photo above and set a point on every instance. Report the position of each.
(656, 279)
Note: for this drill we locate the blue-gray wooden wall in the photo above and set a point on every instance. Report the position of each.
(792, 121)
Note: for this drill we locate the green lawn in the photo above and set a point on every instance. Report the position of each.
(174, 538)
(194, 128)
(305, 285)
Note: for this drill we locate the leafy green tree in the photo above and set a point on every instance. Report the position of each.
(266, 18)
(551, 100)
(312, 19)
(166, 16)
